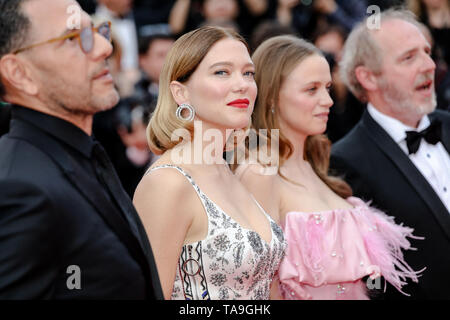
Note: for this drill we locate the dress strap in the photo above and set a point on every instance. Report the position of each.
(170, 166)
(261, 208)
(200, 194)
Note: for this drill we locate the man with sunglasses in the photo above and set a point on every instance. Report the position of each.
(67, 228)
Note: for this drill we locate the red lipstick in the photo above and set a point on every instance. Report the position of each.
(239, 103)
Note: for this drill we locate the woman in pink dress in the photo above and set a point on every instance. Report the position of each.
(334, 240)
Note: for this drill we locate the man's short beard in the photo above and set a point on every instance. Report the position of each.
(99, 103)
(401, 103)
(83, 108)
(74, 99)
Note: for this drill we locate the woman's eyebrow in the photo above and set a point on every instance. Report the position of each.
(227, 63)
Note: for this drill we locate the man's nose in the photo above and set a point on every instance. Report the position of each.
(102, 47)
(428, 64)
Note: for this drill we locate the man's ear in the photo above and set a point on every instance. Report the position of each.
(16, 72)
(179, 92)
(366, 78)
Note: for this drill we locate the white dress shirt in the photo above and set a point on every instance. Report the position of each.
(433, 161)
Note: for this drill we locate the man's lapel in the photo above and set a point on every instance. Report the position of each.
(128, 210)
(445, 127)
(446, 136)
(423, 189)
(87, 187)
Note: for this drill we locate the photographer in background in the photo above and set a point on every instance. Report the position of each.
(120, 13)
(152, 52)
(121, 131)
(308, 16)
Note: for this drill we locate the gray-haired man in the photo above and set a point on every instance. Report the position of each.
(398, 154)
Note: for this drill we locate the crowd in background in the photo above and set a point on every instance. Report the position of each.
(144, 31)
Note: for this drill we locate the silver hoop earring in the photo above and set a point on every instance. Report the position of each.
(180, 109)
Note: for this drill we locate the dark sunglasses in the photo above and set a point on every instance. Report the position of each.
(85, 37)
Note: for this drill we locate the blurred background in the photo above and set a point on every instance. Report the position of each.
(144, 31)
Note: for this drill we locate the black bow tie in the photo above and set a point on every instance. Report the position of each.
(432, 135)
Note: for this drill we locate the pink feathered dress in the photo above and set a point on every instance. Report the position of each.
(330, 252)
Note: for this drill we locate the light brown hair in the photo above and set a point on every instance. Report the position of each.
(274, 60)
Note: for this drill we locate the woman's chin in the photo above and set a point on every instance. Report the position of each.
(240, 124)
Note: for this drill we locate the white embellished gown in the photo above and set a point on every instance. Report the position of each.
(232, 262)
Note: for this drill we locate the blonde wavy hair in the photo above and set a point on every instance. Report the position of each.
(181, 62)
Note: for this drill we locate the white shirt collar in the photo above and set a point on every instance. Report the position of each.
(395, 128)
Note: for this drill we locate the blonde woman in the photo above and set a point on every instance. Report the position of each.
(210, 238)
(334, 240)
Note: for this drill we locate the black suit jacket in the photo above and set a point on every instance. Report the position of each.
(5, 117)
(55, 214)
(378, 170)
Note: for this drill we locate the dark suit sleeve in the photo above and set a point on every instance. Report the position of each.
(5, 118)
(27, 247)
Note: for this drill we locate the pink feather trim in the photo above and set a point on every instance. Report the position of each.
(384, 246)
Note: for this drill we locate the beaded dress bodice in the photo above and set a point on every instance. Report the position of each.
(232, 262)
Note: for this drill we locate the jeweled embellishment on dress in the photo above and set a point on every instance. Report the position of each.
(329, 253)
(232, 262)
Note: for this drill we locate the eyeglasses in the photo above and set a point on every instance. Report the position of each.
(85, 37)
